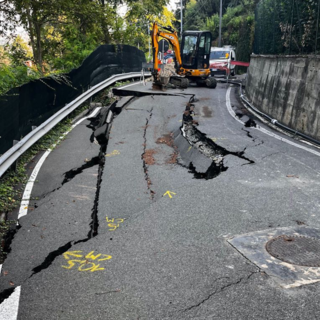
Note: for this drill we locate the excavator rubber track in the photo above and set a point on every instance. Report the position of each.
(179, 82)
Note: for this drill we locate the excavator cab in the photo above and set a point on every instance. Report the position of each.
(195, 49)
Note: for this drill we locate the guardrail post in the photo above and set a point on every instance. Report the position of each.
(14, 164)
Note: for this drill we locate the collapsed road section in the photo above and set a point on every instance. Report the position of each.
(170, 203)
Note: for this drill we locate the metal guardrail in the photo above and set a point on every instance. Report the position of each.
(9, 157)
(267, 117)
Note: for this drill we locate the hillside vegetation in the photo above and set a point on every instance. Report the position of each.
(61, 33)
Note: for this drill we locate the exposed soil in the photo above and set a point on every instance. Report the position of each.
(168, 140)
(148, 157)
(173, 158)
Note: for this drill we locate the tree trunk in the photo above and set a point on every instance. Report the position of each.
(39, 47)
(31, 34)
(35, 37)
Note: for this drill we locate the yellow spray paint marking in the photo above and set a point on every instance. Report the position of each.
(113, 153)
(114, 223)
(168, 193)
(87, 264)
(71, 263)
(72, 254)
(189, 149)
(107, 257)
(93, 267)
(91, 256)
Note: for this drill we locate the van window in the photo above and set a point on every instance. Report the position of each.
(218, 54)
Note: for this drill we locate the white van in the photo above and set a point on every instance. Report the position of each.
(220, 59)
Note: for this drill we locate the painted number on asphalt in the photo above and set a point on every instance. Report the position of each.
(113, 223)
(85, 262)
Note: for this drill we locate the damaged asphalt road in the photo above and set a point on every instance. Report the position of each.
(142, 233)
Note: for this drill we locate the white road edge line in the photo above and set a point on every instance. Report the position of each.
(269, 133)
(9, 307)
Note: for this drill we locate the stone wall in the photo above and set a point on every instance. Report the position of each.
(287, 88)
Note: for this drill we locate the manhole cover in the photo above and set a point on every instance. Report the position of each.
(298, 250)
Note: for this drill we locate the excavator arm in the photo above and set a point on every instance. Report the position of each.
(172, 37)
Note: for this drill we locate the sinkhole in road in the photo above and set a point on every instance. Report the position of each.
(213, 171)
(213, 166)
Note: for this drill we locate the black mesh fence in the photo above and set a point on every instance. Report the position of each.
(287, 27)
(33, 103)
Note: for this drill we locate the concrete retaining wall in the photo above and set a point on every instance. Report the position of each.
(288, 89)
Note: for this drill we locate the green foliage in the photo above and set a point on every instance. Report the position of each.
(237, 27)
(62, 33)
(19, 51)
(72, 50)
(106, 96)
(237, 22)
(194, 19)
(287, 26)
(11, 77)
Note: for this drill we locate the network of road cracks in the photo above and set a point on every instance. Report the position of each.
(172, 258)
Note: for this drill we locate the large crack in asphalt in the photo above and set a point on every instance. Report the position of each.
(8, 238)
(50, 258)
(5, 294)
(144, 158)
(194, 137)
(94, 224)
(69, 175)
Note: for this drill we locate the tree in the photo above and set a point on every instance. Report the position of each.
(55, 27)
(19, 51)
(287, 26)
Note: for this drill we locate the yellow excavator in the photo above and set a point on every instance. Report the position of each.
(191, 60)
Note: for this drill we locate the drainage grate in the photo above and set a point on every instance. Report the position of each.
(298, 250)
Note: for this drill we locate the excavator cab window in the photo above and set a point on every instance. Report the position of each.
(189, 50)
(195, 49)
